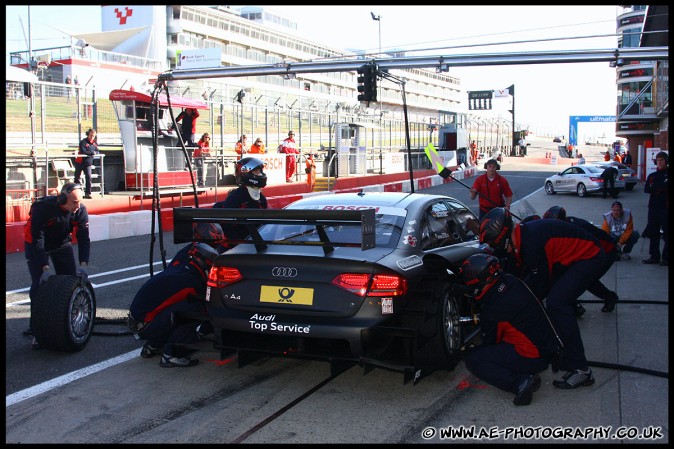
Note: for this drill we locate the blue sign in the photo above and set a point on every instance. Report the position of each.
(573, 124)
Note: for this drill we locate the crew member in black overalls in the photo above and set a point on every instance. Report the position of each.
(657, 186)
(48, 235)
(558, 261)
(208, 233)
(609, 176)
(518, 340)
(85, 160)
(597, 288)
(180, 288)
(251, 179)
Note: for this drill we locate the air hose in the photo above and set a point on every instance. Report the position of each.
(106, 321)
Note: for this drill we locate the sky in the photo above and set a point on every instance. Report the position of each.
(546, 94)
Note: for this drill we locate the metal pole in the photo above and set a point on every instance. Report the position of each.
(380, 98)
(32, 95)
(513, 142)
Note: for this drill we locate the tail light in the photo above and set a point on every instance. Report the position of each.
(220, 277)
(596, 179)
(363, 284)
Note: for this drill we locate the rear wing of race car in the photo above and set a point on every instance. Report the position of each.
(185, 217)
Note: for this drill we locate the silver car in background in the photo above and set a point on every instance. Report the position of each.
(581, 179)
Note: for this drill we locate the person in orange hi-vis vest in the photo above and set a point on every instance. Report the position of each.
(310, 170)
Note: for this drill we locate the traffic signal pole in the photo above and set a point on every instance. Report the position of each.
(514, 139)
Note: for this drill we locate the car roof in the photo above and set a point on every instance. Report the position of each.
(397, 199)
(589, 167)
(613, 164)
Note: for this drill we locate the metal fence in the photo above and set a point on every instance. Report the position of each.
(62, 113)
(58, 115)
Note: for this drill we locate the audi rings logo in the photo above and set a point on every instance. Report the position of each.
(284, 272)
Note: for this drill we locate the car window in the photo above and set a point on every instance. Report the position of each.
(439, 227)
(468, 223)
(568, 171)
(593, 169)
(388, 229)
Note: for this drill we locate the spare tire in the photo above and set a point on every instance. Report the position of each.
(64, 313)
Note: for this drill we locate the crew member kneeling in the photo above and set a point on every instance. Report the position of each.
(179, 288)
(518, 340)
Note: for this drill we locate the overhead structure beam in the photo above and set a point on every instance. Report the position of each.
(619, 56)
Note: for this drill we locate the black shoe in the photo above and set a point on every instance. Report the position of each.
(168, 361)
(149, 351)
(526, 390)
(663, 262)
(650, 261)
(580, 310)
(609, 304)
(28, 332)
(574, 379)
(87, 197)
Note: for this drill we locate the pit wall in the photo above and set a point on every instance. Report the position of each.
(112, 218)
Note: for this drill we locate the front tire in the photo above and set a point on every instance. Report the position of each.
(549, 189)
(64, 313)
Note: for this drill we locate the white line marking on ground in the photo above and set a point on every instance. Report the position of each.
(33, 391)
(107, 273)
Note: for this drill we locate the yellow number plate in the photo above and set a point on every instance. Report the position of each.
(287, 295)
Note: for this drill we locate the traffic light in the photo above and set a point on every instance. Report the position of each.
(367, 82)
(240, 95)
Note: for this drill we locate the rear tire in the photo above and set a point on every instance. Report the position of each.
(629, 187)
(65, 313)
(581, 190)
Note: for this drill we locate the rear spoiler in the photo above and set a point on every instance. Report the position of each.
(185, 217)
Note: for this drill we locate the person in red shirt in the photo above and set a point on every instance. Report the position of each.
(203, 150)
(188, 127)
(288, 148)
(494, 189)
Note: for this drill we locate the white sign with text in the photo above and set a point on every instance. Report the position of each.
(199, 59)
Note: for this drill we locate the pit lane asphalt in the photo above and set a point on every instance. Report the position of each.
(136, 401)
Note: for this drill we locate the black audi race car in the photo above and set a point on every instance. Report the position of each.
(353, 278)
